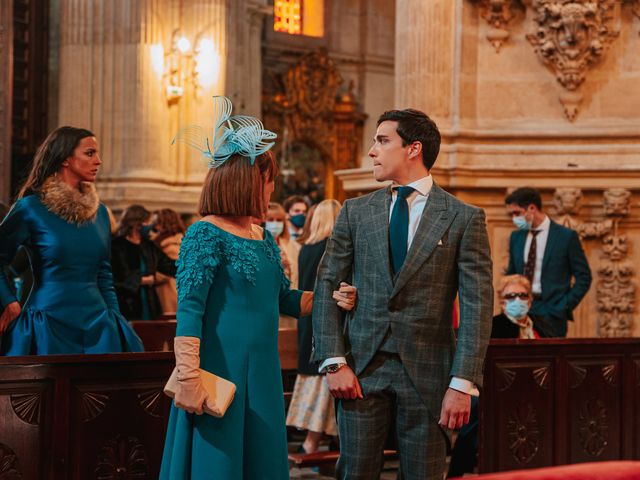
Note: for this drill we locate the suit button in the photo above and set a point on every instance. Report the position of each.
(392, 307)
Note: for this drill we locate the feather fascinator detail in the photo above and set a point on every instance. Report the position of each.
(239, 134)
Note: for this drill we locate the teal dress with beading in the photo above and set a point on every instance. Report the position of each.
(230, 293)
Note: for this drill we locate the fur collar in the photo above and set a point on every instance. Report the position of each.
(74, 206)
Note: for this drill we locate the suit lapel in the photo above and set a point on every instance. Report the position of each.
(434, 222)
(552, 241)
(378, 232)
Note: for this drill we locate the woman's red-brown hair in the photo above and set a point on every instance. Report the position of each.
(237, 188)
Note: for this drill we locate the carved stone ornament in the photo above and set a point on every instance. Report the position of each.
(571, 37)
(9, 468)
(523, 433)
(593, 427)
(122, 458)
(497, 13)
(615, 291)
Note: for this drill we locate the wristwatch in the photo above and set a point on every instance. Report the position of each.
(334, 367)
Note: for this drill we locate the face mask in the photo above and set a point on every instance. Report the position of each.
(521, 223)
(274, 228)
(145, 230)
(298, 220)
(516, 308)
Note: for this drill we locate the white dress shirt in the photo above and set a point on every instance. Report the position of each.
(416, 201)
(541, 244)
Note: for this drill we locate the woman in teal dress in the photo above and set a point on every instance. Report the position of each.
(231, 288)
(72, 307)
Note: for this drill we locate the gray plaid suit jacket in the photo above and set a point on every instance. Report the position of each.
(449, 254)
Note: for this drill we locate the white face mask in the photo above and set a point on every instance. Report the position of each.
(275, 228)
(521, 222)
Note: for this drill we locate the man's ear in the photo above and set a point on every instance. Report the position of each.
(415, 149)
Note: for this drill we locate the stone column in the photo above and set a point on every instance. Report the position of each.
(6, 73)
(111, 81)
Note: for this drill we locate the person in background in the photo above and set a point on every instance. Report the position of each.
(136, 259)
(550, 256)
(514, 321)
(72, 308)
(167, 233)
(276, 225)
(312, 406)
(296, 208)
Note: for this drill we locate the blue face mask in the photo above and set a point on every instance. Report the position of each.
(145, 230)
(517, 308)
(298, 220)
(275, 228)
(521, 222)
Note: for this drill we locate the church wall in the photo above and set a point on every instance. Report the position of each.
(504, 126)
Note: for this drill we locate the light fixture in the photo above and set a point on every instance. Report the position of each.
(184, 65)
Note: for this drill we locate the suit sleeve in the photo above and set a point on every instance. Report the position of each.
(475, 292)
(580, 271)
(336, 266)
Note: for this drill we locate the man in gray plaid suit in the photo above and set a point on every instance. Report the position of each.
(409, 249)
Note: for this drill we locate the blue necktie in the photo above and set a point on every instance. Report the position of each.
(399, 228)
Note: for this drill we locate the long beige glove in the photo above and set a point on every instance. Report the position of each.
(190, 394)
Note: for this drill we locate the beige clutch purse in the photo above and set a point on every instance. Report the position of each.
(220, 391)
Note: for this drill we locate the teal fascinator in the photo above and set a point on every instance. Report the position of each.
(238, 134)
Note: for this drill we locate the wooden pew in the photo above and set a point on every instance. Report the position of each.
(83, 416)
(559, 401)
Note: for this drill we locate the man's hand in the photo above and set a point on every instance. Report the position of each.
(346, 296)
(456, 408)
(344, 384)
(9, 314)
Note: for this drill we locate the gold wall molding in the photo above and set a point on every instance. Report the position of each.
(309, 102)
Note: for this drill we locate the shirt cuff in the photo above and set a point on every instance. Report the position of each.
(331, 361)
(464, 386)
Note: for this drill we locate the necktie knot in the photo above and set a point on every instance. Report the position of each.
(535, 232)
(404, 192)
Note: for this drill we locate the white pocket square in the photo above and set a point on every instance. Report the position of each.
(440, 243)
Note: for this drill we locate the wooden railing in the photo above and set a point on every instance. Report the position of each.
(559, 401)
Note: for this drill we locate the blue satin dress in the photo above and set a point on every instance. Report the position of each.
(72, 307)
(230, 293)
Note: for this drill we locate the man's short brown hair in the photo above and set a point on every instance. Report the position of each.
(237, 188)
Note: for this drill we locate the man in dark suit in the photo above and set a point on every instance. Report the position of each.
(409, 249)
(549, 255)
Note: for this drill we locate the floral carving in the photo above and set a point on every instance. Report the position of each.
(616, 290)
(594, 427)
(506, 378)
(93, 404)
(571, 37)
(27, 407)
(497, 13)
(610, 373)
(122, 458)
(9, 468)
(524, 433)
(541, 376)
(150, 401)
(577, 375)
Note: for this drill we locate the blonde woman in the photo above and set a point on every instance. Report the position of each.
(311, 406)
(276, 224)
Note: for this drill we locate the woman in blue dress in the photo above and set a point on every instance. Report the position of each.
(72, 307)
(231, 288)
